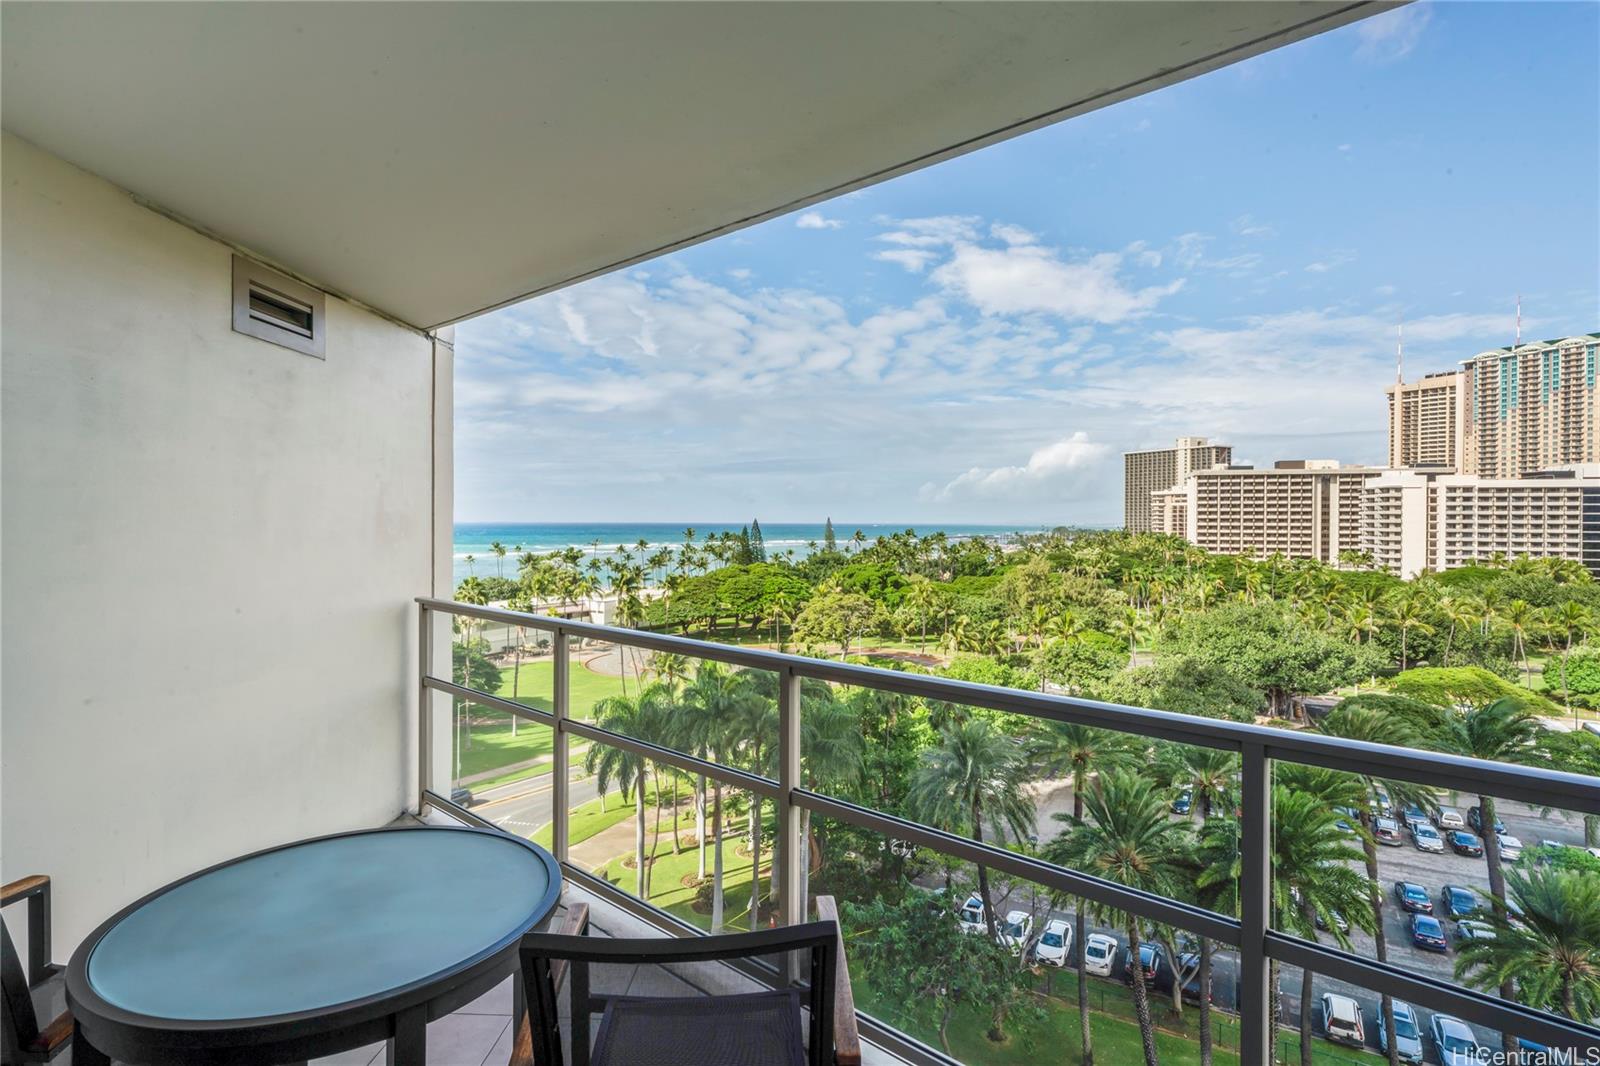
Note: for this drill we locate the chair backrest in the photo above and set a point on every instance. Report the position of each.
(543, 954)
(20, 1027)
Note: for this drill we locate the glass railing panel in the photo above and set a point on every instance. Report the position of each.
(624, 808)
(1491, 902)
(922, 960)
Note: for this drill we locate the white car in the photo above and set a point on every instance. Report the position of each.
(1467, 929)
(1449, 818)
(1055, 943)
(1510, 847)
(1341, 1020)
(1457, 1044)
(1427, 838)
(1016, 930)
(971, 915)
(1099, 952)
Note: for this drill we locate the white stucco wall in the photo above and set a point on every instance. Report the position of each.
(210, 545)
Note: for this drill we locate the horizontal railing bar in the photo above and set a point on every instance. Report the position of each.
(458, 812)
(1465, 1003)
(1535, 785)
(472, 695)
(1068, 882)
(765, 787)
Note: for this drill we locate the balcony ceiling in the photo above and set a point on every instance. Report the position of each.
(438, 160)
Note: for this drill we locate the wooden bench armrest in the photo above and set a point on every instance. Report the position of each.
(53, 1035)
(846, 1038)
(22, 888)
(575, 923)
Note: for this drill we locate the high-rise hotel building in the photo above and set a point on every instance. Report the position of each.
(1161, 469)
(1531, 407)
(1427, 421)
(1300, 508)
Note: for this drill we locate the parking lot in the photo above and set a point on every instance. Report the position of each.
(1395, 863)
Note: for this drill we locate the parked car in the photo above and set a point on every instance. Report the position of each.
(461, 797)
(1386, 831)
(1465, 843)
(1055, 943)
(971, 916)
(1016, 931)
(1467, 929)
(1449, 818)
(1381, 803)
(1457, 902)
(1510, 847)
(1456, 1042)
(1475, 820)
(1099, 954)
(1427, 933)
(1157, 970)
(1184, 802)
(1427, 838)
(1407, 1036)
(1341, 1020)
(1414, 813)
(1338, 919)
(1413, 898)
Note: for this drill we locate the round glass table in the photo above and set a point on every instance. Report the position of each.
(310, 948)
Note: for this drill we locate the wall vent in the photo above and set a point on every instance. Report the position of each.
(277, 309)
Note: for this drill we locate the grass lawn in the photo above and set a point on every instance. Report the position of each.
(588, 819)
(493, 746)
(1116, 1037)
(669, 892)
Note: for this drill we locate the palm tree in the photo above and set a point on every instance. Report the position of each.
(1408, 613)
(499, 558)
(1460, 614)
(1208, 774)
(973, 778)
(470, 559)
(1366, 723)
(1572, 621)
(714, 700)
(1070, 748)
(1130, 624)
(1548, 949)
(642, 718)
(1520, 617)
(1313, 881)
(1503, 731)
(1128, 839)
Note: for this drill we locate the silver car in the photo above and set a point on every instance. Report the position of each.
(1427, 838)
(1408, 1037)
(1456, 1042)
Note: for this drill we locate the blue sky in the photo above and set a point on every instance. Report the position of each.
(979, 341)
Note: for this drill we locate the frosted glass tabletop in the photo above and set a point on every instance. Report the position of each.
(322, 923)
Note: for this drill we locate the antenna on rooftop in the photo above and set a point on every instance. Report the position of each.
(1517, 345)
(1399, 350)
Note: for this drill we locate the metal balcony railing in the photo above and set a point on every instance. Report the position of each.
(1251, 933)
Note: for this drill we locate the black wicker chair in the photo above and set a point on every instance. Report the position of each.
(753, 1029)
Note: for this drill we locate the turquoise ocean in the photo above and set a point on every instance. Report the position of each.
(475, 538)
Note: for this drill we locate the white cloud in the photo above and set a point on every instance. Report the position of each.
(1392, 35)
(1026, 279)
(1245, 226)
(1332, 261)
(817, 220)
(915, 260)
(1012, 235)
(1052, 468)
(1345, 147)
(741, 273)
(1189, 248)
